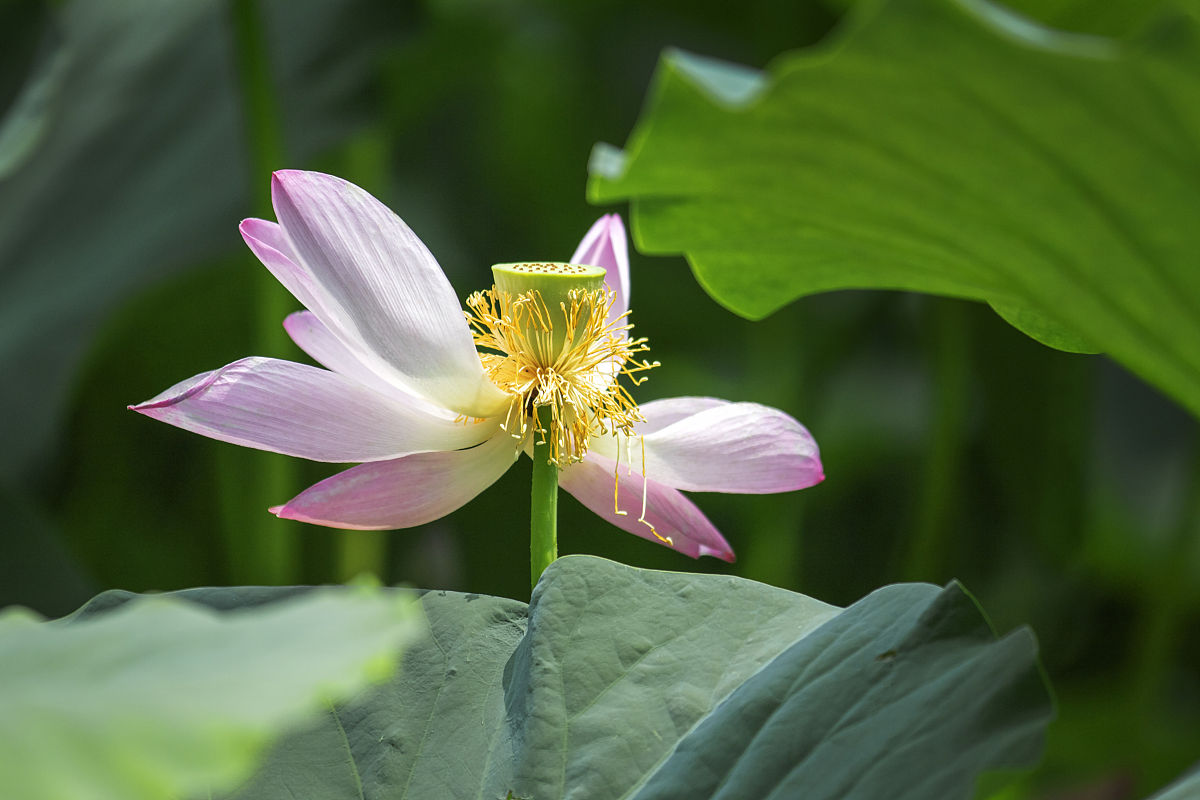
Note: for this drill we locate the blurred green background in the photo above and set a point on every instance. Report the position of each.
(1058, 488)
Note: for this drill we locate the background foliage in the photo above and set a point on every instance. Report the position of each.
(1058, 487)
(163, 698)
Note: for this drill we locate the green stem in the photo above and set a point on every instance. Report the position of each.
(543, 527)
(270, 553)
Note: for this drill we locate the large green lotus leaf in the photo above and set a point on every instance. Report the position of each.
(162, 698)
(941, 146)
(618, 682)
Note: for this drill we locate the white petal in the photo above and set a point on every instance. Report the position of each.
(266, 240)
(661, 413)
(306, 412)
(720, 447)
(329, 340)
(372, 281)
(313, 337)
(405, 492)
(658, 414)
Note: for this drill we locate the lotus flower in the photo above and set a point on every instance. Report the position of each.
(407, 391)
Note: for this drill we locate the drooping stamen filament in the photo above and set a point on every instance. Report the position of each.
(667, 540)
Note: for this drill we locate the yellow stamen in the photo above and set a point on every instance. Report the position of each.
(568, 361)
(545, 338)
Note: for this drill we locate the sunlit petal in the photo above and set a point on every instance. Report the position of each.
(266, 240)
(404, 492)
(725, 447)
(307, 412)
(373, 277)
(313, 337)
(661, 413)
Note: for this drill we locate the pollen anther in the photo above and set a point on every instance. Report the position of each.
(567, 359)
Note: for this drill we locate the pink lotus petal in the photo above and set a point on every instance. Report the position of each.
(304, 411)
(661, 413)
(702, 444)
(658, 414)
(324, 318)
(605, 245)
(374, 282)
(734, 447)
(313, 337)
(266, 240)
(404, 492)
(672, 515)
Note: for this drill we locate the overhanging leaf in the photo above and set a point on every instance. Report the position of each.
(941, 146)
(162, 698)
(624, 683)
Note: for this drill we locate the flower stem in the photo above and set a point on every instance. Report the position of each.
(543, 528)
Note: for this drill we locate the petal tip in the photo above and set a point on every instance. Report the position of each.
(284, 182)
(281, 176)
(296, 319)
(816, 474)
(726, 555)
(258, 233)
(147, 407)
(302, 179)
(286, 511)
